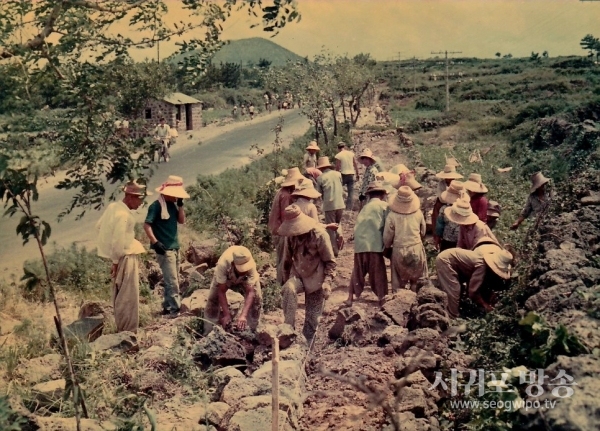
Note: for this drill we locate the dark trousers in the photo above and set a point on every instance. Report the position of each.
(348, 180)
(445, 245)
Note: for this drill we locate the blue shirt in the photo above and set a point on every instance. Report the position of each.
(165, 231)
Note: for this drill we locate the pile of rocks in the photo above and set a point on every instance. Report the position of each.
(567, 280)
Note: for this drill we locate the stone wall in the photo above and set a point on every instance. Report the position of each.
(159, 108)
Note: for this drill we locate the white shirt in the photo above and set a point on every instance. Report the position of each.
(125, 124)
(347, 162)
(116, 233)
(162, 132)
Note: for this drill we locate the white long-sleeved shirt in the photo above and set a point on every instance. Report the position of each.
(116, 236)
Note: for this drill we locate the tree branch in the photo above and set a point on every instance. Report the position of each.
(95, 5)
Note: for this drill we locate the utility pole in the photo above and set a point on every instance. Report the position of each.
(414, 67)
(447, 79)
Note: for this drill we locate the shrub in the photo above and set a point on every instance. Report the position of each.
(73, 269)
(9, 419)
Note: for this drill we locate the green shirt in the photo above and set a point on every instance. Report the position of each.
(368, 230)
(165, 231)
(329, 184)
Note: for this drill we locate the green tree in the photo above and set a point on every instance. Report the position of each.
(231, 75)
(591, 44)
(498, 55)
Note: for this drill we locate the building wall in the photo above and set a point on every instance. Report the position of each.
(159, 108)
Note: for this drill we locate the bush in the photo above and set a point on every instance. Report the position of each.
(9, 419)
(73, 269)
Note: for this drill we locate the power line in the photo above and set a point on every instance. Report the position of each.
(447, 80)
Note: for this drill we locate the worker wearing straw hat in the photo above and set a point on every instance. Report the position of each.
(446, 231)
(329, 184)
(303, 196)
(236, 268)
(161, 228)
(367, 159)
(477, 190)
(405, 230)
(309, 266)
(116, 241)
(537, 201)
(310, 157)
(471, 228)
(282, 199)
(446, 176)
(345, 163)
(485, 269)
(493, 213)
(368, 245)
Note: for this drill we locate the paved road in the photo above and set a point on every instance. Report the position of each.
(227, 149)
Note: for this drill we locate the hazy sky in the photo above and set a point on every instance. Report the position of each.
(383, 28)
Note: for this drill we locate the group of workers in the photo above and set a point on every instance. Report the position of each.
(306, 224)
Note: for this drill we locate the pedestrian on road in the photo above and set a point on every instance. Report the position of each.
(485, 271)
(164, 214)
(309, 265)
(162, 132)
(116, 241)
(345, 163)
(251, 110)
(404, 231)
(236, 268)
(367, 159)
(537, 201)
(446, 231)
(477, 191)
(368, 245)
(310, 157)
(329, 184)
(282, 199)
(471, 228)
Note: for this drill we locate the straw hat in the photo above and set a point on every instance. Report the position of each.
(484, 242)
(292, 177)
(312, 145)
(242, 259)
(376, 186)
(449, 173)
(461, 213)
(494, 209)
(409, 180)
(133, 188)
(368, 154)
(455, 191)
(452, 161)
(500, 262)
(537, 180)
(307, 190)
(405, 201)
(323, 162)
(295, 222)
(399, 169)
(173, 187)
(475, 184)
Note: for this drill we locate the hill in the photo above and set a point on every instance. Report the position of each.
(250, 51)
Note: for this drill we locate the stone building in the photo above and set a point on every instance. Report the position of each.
(176, 107)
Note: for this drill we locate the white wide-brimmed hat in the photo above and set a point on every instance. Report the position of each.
(307, 190)
(324, 162)
(312, 145)
(449, 173)
(452, 161)
(405, 201)
(173, 187)
(482, 244)
(295, 222)
(134, 188)
(292, 178)
(461, 213)
(376, 186)
(500, 262)
(368, 154)
(538, 180)
(243, 260)
(456, 190)
(475, 184)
